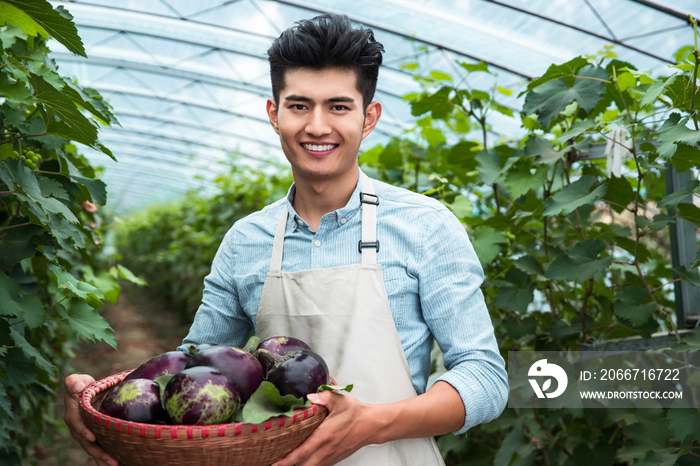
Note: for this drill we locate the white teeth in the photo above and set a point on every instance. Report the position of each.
(318, 148)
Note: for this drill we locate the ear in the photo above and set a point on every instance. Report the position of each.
(372, 114)
(272, 114)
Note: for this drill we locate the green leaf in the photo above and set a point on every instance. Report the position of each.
(674, 130)
(266, 402)
(489, 165)
(28, 308)
(31, 352)
(516, 292)
(529, 265)
(548, 100)
(461, 206)
(579, 263)
(485, 241)
(666, 457)
(689, 212)
(18, 244)
(685, 157)
(78, 288)
(15, 16)
(559, 71)
(87, 322)
(5, 403)
(5, 151)
(438, 104)
(626, 80)
(440, 76)
(634, 304)
(96, 188)
(543, 149)
(522, 177)
(126, 274)
(162, 381)
(576, 130)
(561, 330)
(335, 388)
(58, 23)
(433, 135)
(659, 222)
(618, 191)
(655, 90)
(573, 196)
(684, 422)
(676, 197)
(515, 444)
(473, 68)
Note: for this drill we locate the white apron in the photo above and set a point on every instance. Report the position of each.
(343, 314)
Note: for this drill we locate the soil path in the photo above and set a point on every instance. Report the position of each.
(142, 331)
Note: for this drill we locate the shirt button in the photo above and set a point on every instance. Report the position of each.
(294, 223)
(301, 222)
(317, 243)
(343, 221)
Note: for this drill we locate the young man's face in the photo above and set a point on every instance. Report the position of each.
(321, 122)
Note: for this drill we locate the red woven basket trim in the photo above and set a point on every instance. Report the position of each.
(142, 433)
(254, 428)
(282, 419)
(130, 429)
(173, 432)
(315, 408)
(294, 418)
(119, 426)
(268, 424)
(190, 431)
(237, 430)
(205, 432)
(158, 429)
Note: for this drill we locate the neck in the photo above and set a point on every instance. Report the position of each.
(314, 199)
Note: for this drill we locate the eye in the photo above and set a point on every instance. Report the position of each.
(340, 107)
(297, 106)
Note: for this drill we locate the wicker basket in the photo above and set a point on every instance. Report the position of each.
(135, 444)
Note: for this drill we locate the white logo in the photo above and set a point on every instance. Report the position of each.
(542, 369)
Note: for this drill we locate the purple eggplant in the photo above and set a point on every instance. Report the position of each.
(280, 346)
(300, 375)
(243, 368)
(136, 400)
(201, 395)
(168, 363)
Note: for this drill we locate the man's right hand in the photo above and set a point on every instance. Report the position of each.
(75, 384)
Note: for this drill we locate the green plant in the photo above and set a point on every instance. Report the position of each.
(52, 280)
(572, 254)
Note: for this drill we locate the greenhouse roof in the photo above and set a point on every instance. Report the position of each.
(188, 80)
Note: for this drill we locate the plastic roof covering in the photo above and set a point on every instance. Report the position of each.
(189, 79)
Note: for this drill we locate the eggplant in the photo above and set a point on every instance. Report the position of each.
(136, 400)
(303, 373)
(243, 368)
(277, 346)
(201, 395)
(168, 363)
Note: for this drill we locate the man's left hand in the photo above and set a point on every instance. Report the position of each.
(348, 427)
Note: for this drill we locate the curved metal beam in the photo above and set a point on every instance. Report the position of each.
(667, 10)
(394, 30)
(584, 31)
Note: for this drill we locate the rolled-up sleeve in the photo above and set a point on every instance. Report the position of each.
(220, 318)
(454, 309)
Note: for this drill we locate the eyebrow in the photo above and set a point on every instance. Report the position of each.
(299, 98)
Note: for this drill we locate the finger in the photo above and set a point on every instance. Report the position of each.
(324, 398)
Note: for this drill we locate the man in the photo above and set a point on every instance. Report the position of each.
(364, 272)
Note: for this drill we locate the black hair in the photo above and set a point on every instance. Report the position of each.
(327, 41)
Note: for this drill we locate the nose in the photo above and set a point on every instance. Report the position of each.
(317, 125)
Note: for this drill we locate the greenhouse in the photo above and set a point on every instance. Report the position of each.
(485, 254)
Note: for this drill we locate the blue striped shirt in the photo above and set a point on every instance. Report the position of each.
(431, 274)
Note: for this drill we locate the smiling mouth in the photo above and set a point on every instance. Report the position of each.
(319, 147)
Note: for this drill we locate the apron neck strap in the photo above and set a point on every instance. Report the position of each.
(368, 246)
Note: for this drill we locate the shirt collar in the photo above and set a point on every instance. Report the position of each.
(347, 212)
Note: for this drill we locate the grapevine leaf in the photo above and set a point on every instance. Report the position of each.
(335, 388)
(438, 104)
(558, 71)
(685, 157)
(96, 188)
(655, 90)
(486, 242)
(81, 289)
(5, 151)
(516, 291)
(123, 272)
(676, 197)
(543, 149)
(634, 304)
(472, 68)
(521, 178)
(689, 212)
(87, 322)
(659, 222)
(5, 338)
(619, 192)
(513, 444)
(58, 23)
(530, 265)
(579, 263)
(684, 422)
(267, 402)
(93, 103)
(31, 352)
(21, 370)
(551, 98)
(18, 244)
(573, 196)
(674, 130)
(576, 130)
(461, 206)
(15, 16)
(29, 307)
(489, 165)
(4, 399)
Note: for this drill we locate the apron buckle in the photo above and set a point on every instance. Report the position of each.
(367, 244)
(374, 201)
